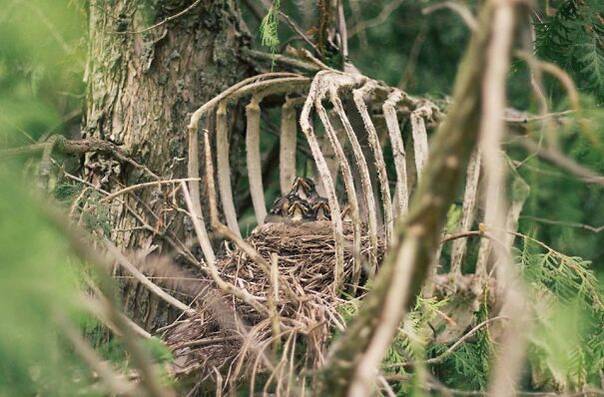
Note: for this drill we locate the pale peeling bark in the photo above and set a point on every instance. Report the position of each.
(330, 157)
(420, 142)
(346, 176)
(254, 163)
(193, 172)
(364, 176)
(224, 169)
(287, 146)
(468, 212)
(354, 359)
(374, 143)
(140, 90)
(326, 179)
(398, 151)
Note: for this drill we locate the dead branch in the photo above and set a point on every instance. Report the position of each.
(164, 21)
(254, 163)
(384, 14)
(577, 225)
(227, 287)
(140, 357)
(140, 277)
(398, 151)
(364, 176)
(287, 145)
(76, 146)
(463, 11)
(467, 217)
(224, 169)
(508, 362)
(355, 357)
(326, 179)
(283, 60)
(346, 172)
(114, 382)
(555, 157)
(374, 143)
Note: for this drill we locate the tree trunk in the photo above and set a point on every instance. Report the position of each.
(143, 82)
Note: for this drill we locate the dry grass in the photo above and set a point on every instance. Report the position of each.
(245, 343)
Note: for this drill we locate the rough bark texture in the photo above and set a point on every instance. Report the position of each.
(142, 85)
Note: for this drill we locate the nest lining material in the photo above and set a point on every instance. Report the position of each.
(229, 337)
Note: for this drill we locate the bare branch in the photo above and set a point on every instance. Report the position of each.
(364, 176)
(384, 14)
(553, 156)
(508, 363)
(467, 217)
(114, 382)
(326, 179)
(141, 278)
(254, 164)
(354, 358)
(287, 145)
(224, 168)
(398, 151)
(346, 176)
(374, 143)
(461, 10)
(227, 287)
(170, 18)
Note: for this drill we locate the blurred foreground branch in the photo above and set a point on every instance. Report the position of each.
(354, 360)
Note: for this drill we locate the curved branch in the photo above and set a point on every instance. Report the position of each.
(254, 164)
(364, 176)
(224, 169)
(420, 141)
(287, 146)
(326, 179)
(225, 286)
(346, 176)
(469, 205)
(398, 151)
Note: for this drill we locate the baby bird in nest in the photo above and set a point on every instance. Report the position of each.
(279, 211)
(305, 189)
(301, 204)
(321, 210)
(299, 210)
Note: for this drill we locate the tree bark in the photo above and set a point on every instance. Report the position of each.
(144, 77)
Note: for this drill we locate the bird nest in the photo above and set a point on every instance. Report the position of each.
(231, 340)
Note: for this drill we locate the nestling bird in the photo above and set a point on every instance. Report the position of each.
(299, 210)
(302, 203)
(321, 210)
(305, 189)
(279, 211)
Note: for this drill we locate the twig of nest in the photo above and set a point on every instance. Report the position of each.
(304, 257)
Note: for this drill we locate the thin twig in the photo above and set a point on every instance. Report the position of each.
(140, 277)
(553, 156)
(567, 224)
(143, 185)
(461, 10)
(384, 14)
(170, 18)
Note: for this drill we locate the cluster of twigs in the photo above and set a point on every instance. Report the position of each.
(302, 309)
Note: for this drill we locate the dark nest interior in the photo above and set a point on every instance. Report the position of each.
(230, 340)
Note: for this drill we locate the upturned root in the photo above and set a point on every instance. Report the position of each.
(254, 164)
